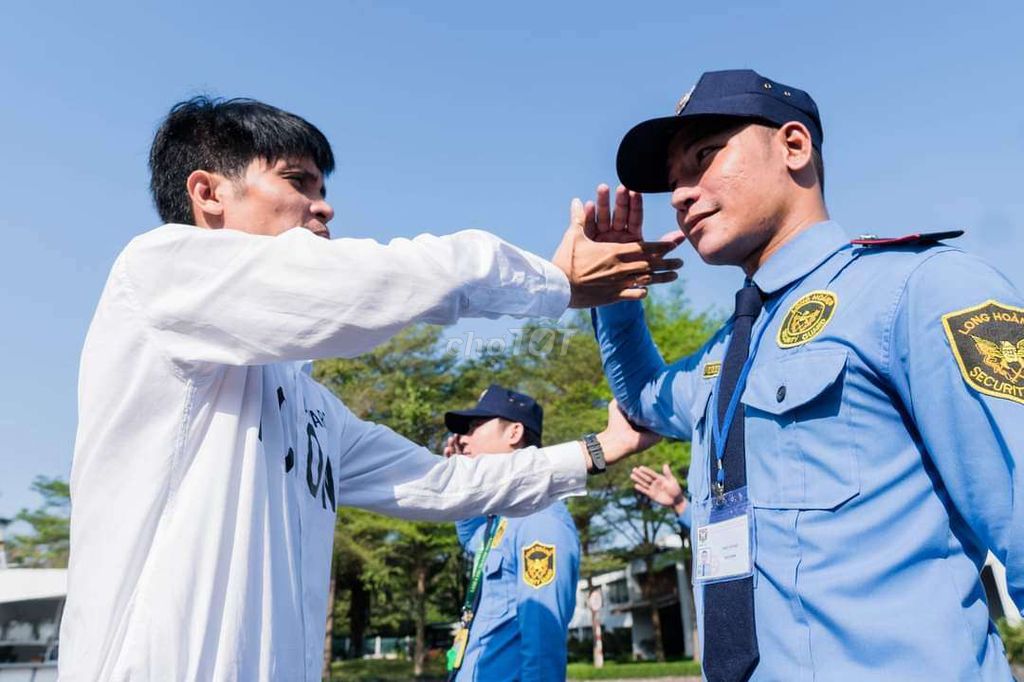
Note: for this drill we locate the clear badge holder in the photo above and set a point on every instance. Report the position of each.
(724, 538)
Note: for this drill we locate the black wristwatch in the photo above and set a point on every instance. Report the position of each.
(596, 453)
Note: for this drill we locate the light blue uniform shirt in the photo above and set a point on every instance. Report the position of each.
(879, 476)
(521, 624)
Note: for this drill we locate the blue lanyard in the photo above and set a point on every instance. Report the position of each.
(717, 430)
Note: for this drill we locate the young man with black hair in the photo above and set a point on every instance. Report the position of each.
(208, 464)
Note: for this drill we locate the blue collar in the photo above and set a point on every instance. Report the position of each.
(800, 255)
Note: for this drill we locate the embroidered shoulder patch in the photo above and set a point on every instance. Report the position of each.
(712, 369)
(538, 564)
(988, 344)
(806, 318)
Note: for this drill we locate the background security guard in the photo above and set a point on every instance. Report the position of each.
(525, 569)
(857, 424)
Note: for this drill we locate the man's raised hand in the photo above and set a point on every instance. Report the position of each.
(662, 488)
(621, 439)
(622, 222)
(606, 271)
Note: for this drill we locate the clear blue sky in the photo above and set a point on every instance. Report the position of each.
(448, 115)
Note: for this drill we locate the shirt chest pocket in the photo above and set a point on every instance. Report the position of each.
(496, 590)
(801, 450)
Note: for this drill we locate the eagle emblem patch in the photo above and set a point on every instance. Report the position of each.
(806, 318)
(988, 344)
(538, 564)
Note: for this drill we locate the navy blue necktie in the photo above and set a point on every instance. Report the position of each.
(730, 642)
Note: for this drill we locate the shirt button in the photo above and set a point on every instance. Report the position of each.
(780, 394)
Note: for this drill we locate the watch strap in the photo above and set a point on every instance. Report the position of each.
(596, 452)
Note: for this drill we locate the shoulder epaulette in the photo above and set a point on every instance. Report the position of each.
(907, 240)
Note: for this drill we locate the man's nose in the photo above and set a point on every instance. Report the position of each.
(323, 210)
(683, 197)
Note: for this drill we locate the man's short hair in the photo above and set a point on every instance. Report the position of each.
(224, 136)
(531, 439)
(819, 167)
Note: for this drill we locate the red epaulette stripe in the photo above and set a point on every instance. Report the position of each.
(915, 238)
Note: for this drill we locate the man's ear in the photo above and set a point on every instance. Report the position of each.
(515, 433)
(204, 191)
(796, 140)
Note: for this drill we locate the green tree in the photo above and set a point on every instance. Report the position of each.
(47, 545)
(1013, 640)
(561, 367)
(360, 538)
(413, 571)
(410, 566)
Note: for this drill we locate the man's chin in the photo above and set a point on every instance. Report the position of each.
(714, 252)
(710, 253)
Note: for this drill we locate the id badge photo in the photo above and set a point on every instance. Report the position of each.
(723, 538)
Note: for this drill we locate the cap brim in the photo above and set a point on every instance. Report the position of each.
(642, 160)
(458, 421)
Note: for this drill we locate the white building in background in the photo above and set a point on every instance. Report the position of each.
(624, 606)
(31, 603)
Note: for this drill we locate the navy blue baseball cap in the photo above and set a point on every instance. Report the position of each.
(642, 161)
(498, 401)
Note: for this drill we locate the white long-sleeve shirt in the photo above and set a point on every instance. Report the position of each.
(208, 465)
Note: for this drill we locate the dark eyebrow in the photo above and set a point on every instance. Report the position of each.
(307, 176)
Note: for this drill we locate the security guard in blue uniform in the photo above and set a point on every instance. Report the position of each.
(522, 590)
(857, 424)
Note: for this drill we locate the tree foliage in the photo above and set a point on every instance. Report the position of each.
(413, 572)
(409, 568)
(47, 544)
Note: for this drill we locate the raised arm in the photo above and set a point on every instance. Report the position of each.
(228, 297)
(384, 472)
(652, 394)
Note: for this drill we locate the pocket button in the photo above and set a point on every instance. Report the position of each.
(780, 394)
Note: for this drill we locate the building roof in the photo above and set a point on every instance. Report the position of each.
(23, 584)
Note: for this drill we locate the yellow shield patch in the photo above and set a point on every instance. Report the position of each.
(712, 369)
(806, 318)
(988, 344)
(538, 564)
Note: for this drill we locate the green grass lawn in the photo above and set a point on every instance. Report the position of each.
(366, 670)
(585, 671)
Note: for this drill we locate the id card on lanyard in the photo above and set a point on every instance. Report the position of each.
(724, 523)
(724, 532)
(493, 534)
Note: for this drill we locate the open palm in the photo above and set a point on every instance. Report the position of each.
(662, 488)
(622, 222)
